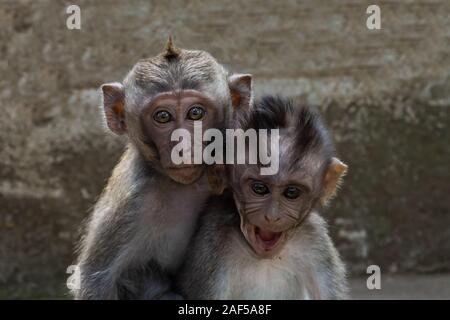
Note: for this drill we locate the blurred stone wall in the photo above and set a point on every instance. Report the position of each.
(385, 94)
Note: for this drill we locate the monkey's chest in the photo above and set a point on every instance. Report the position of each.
(173, 243)
(171, 238)
(254, 279)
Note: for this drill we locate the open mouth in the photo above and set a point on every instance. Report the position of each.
(267, 239)
(264, 242)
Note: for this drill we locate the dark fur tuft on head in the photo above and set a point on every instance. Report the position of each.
(309, 131)
(312, 135)
(171, 51)
(270, 113)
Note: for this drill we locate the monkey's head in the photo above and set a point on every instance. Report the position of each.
(171, 91)
(271, 207)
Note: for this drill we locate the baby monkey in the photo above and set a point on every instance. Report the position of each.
(139, 230)
(264, 238)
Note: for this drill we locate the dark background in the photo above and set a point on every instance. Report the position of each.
(384, 93)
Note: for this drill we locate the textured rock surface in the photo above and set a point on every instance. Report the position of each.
(385, 94)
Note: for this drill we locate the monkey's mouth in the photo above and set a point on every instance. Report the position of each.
(185, 174)
(265, 243)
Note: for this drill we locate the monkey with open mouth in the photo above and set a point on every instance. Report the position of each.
(264, 238)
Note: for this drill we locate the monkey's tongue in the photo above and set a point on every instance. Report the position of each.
(269, 238)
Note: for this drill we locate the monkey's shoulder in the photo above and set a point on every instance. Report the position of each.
(313, 242)
(313, 236)
(218, 220)
(314, 226)
(220, 211)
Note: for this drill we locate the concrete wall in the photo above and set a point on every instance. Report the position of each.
(385, 94)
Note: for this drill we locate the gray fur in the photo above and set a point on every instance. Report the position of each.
(138, 233)
(224, 261)
(138, 216)
(222, 266)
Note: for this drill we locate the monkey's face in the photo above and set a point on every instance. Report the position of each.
(186, 115)
(170, 92)
(271, 207)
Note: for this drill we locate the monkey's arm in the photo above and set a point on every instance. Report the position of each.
(202, 273)
(108, 265)
(110, 269)
(201, 268)
(101, 261)
(333, 269)
(329, 270)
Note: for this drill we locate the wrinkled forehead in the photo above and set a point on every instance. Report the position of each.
(191, 70)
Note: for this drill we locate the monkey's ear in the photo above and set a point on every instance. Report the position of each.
(240, 90)
(114, 107)
(217, 178)
(333, 178)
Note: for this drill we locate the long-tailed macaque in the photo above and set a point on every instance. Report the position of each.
(140, 227)
(264, 239)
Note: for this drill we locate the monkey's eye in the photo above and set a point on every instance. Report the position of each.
(196, 113)
(291, 192)
(162, 116)
(260, 188)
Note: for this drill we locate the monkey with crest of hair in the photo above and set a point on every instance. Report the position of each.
(264, 238)
(140, 227)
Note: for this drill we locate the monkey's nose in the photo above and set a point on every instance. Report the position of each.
(271, 219)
